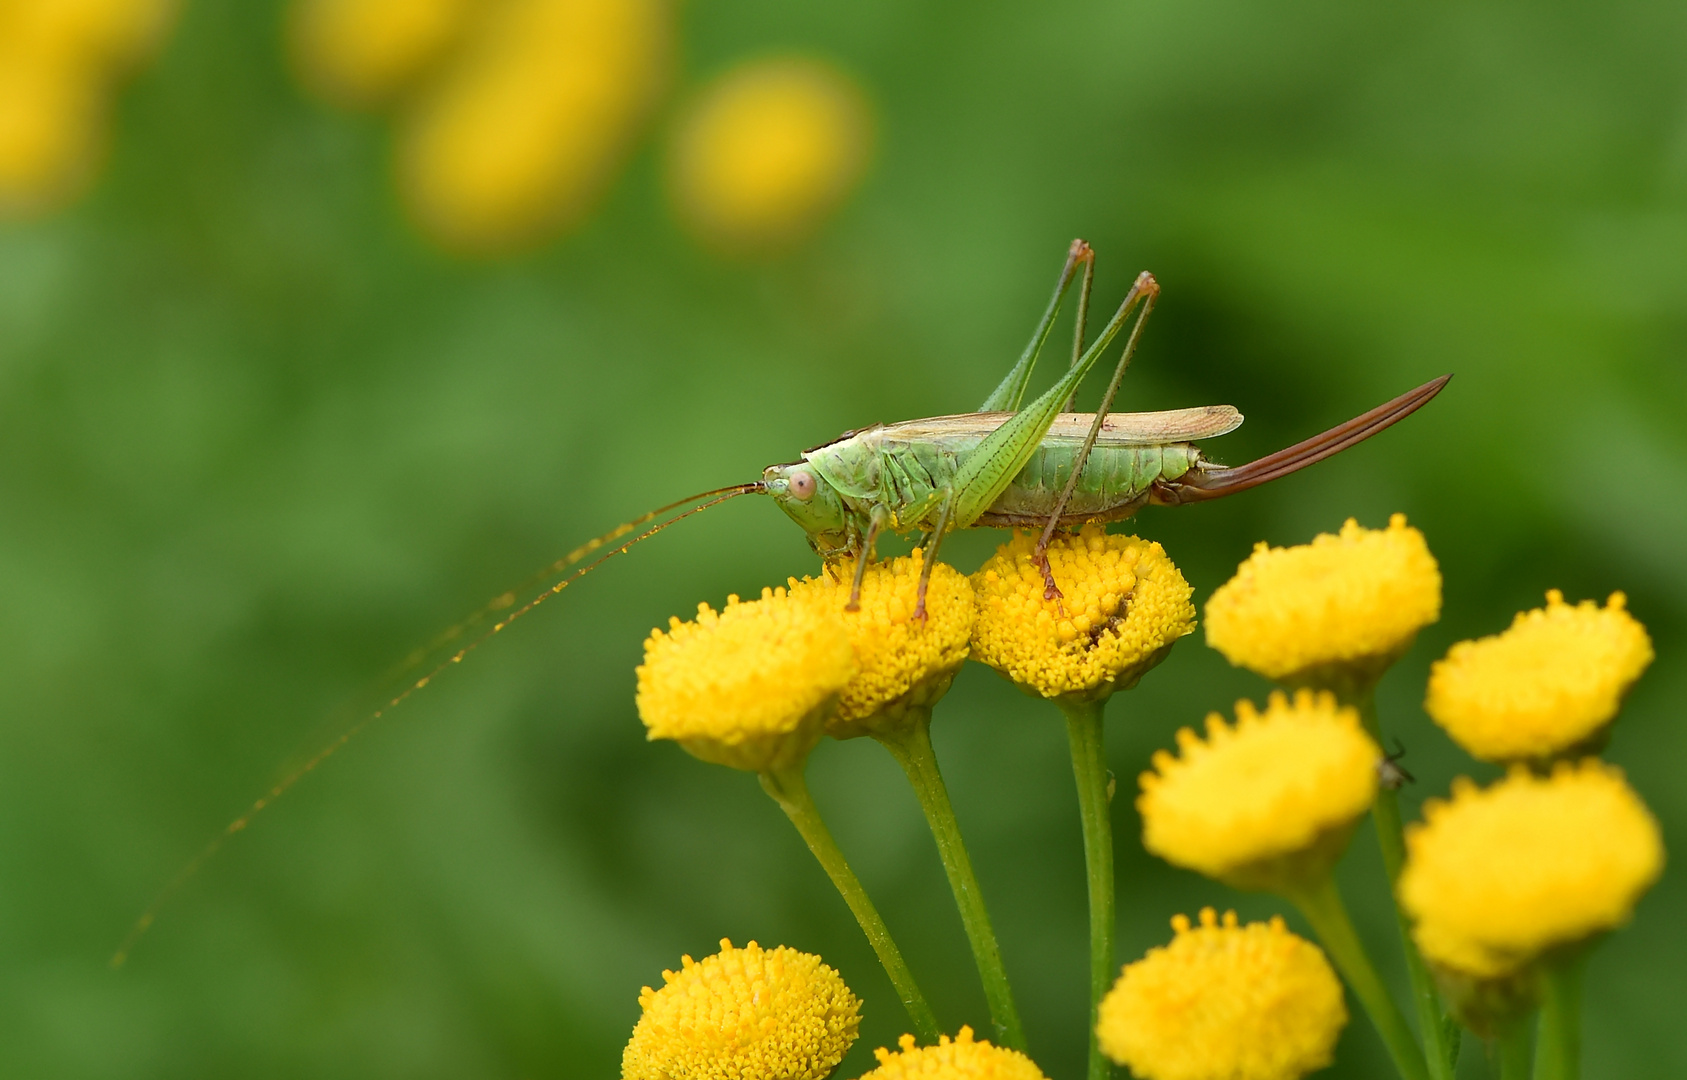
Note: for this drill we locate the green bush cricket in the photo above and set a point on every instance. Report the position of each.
(1004, 466)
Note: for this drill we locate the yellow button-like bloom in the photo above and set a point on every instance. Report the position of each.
(58, 59)
(751, 1012)
(1551, 683)
(360, 53)
(960, 1058)
(1125, 605)
(1250, 1002)
(51, 132)
(768, 151)
(1268, 803)
(904, 663)
(1352, 601)
(1497, 876)
(532, 119)
(101, 37)
(748, 686)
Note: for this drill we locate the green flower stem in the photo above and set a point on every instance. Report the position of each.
(911, 747)
(1441, 1051)
(1089, 766)
(1322, 905)
(1511, 1049)
(790, 790)
(1559, 1053)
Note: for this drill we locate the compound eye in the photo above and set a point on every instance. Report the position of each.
(802, 485)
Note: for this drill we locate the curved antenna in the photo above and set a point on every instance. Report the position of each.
(498, 603)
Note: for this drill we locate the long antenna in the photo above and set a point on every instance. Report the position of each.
(500, 602)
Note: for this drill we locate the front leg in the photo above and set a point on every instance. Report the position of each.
(876, 522)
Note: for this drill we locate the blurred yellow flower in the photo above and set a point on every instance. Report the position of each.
(58, 59)
(1353, 601)
(903, 662)
(767, 151)
(98, 37)
(1495, 877)
(750, 1012)
(1125, 605)
(532, 119)
(748, 686)
(52, 127)
(1250, 1002)
(960, 1058)
(1551, 683)
(361, 53)
(1268, 803)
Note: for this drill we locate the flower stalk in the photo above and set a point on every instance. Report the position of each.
(1510, 1050)
(911, 745)
(1323, 907)
(1439, 1049)
(1089, 768)
(1559, 1052)
(789, 789)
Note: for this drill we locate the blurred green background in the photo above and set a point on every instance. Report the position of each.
(258, 439)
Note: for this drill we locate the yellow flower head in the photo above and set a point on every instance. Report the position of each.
(1497, 876)
(748, 686)
(51, 133)
(1353, 601)
(1265, 804)
(768, 151)
(58, 59)
(1551, 683)
(1125, 604)
(903, 662)
(361, 53)
(1250, 1002)
(960, 1058)
(530, 121)
(750, 1012)
(98, 37)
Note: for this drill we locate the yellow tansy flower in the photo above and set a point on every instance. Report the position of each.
(1353, 601)
(51, 133)
(1125, 605)
(768, 151)
(360, 53)
(58, 59)
(1268, 803)
(1250, 1002)
(1495, 877)
(1551, 683)
(904, 663)
(960, 1058)
(751, 1012)
(748, 686)
(531, 120)
(99, 37)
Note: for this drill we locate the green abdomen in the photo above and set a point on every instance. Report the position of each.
(1115, 479)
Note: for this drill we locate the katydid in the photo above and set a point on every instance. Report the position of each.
(1003, 466)
(1007, 466)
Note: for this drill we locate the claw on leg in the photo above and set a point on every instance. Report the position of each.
(1040, 559)
(1051, 591)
